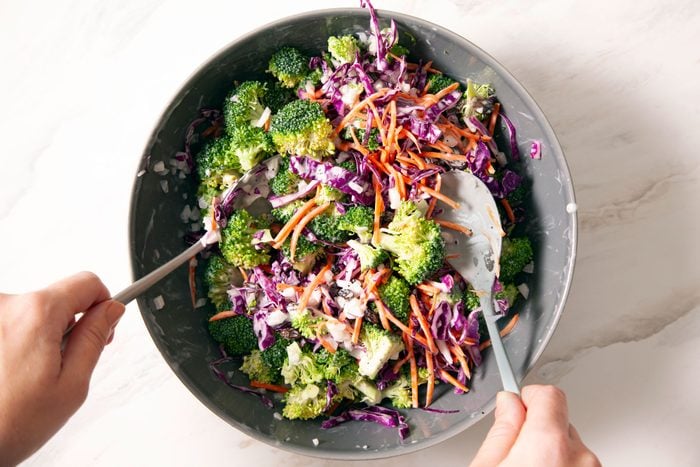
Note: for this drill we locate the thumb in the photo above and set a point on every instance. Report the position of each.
(89, 337)
(510, 416)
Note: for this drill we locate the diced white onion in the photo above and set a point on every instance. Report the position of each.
(159, 302)
(524, 290)
(529, 268)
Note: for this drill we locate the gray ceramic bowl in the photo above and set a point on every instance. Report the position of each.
(180, 332)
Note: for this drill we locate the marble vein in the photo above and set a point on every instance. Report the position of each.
(625, 210)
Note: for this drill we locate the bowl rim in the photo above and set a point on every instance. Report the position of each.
(556, 152)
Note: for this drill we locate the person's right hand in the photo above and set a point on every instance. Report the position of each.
(533, 431)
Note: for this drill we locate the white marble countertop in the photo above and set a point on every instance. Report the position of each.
(83, 83)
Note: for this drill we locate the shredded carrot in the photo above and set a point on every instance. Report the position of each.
(300, 226)
(381, 311)
(423, 324)
(268, 386)
(508, 210)
(318, 280)
(506, 330)
(450, 202)
(356, 143)
(430, 366)
(411, 136)
(289, 226)
(454, 226)
(445, 156)
(399, 181)
(397, 366)
(396, 322)
(377, 120)
(414, 374)
(391, 133)
(429, 289)
(453, 381)
(433, 201)
(446, 91)
(494, 117)
(223, 315)
(282, 286)
(192, 279)
(378, 210)
(244, 274)
(459, 354)
(355, 110)
(356, 330)
(326, 344)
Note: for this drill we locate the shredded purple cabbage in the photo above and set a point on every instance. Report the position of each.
(333, 176)
(514, 152)
(376, 413)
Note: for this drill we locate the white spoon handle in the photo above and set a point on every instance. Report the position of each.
(150, 279)
(510, 384)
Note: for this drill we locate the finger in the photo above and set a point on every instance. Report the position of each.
(573, 433)
(78, 292)
(510, 415)
(88, 339)
(546, 407)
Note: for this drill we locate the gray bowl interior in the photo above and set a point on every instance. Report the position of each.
(179, 331)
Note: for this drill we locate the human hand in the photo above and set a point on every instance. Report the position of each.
(533, 431)
(43, 386)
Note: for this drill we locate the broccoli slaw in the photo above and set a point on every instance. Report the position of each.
(341, 298)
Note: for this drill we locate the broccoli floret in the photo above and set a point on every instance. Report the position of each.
(304, 402)
(518, 196)
(277, 96)
(325, 227)
(338, 366)
(302, 128)
(237, 240)
(217, 166)
(373, 143)
(399, 50)
(343, 49)
(218, 276)
(329, 194)
(370, 257)
(399, 393)
(275, 355)
(244, 107)
(515, 254)
(471, 299)
(284, 213)
(306, 324)
(349, 165)
(257, 369)
(236, 334)
(305, 255)
(289, 66)
(438, 82)
(285, 181)
(509, 293)
(358, 220)
(395, 294)
(416, 243)
(251, 145)
(379, 346)
(301, 367)
(477, 101)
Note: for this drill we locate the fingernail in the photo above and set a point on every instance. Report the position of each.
(114, 312)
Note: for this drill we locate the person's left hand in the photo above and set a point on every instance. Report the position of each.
(41, 385)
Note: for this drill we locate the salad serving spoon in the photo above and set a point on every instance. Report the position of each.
(476, 257)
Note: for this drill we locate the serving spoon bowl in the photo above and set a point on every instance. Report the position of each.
(476, 256)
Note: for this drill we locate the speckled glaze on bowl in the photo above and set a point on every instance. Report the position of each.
(179, 331)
